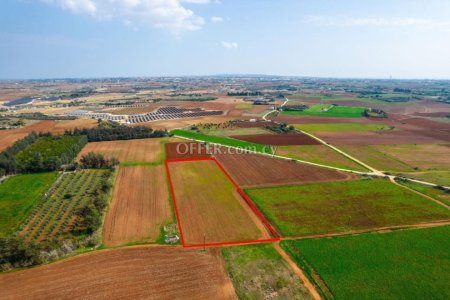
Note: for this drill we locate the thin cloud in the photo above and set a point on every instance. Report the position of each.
(229, 45)
(378, 21)
(168, 14)
(217, 19)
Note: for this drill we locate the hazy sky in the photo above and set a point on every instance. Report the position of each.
(333, 38)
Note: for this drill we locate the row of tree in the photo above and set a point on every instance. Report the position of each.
(121, 132)
(41, 116)
(8, 164)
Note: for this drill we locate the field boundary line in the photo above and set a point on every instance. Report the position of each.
(166, 163)
(298, 271)
(375, 171)
(419, 193)
(372, 230)
(264, 117)
(281, 157)
(247, 200)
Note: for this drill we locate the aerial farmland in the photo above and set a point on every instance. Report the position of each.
(282, 197)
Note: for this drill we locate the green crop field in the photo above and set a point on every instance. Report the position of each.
(18, 196)
(56, 214)
(327, 110)
(301, 210)
(435, 193)
(406, 264)
(258, 271)
(222, 141)
(343, 127)
(320, 154)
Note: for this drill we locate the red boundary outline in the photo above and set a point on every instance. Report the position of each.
(238, 189)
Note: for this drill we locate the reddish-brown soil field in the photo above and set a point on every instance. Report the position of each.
(253, 170)
(133, 273)
(139, 207)
(140, 150)
(9, 137)
(60, 126)
(409, 130)
(186, 150)
(376, 138)
(210, 210)
(433, 114)
(278, 139)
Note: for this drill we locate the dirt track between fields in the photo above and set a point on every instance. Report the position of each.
(253, 170)
(371, 230)
(311, 288)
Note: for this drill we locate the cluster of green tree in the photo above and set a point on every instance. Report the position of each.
(127, 101)
(78, 94)
(243, 94)
(97, 161)
(49, 153)
(8, 123)
(74, 103)
(281, 128)
(15, 253)
(187, 98)
(285, 87)
(8, 164)
(262, 102)
(375, 113)
(89, 217)
(402, 90)
(293, 107)
(41, 116)
(117, 132)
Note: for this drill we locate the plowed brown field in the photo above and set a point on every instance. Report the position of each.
(252, 170)
(142, 150)
(278, 139)
(9, 137)
(209, 207)
(140, 206)
(133, 273)
(185, 150)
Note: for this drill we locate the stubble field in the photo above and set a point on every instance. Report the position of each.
(128, 151)
(139, 206)
(210, 209)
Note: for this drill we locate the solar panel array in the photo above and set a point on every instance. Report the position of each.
(168, 113)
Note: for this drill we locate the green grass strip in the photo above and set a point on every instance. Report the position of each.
(226, 141)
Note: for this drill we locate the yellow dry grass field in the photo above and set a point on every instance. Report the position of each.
(141, 150)
(209, 207)
(140, 206)
(423, 156)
